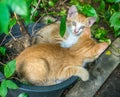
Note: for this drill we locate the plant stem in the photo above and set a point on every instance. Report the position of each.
(3, 40)
(1, 63)
(22, 26)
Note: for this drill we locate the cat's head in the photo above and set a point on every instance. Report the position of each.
(77, 22)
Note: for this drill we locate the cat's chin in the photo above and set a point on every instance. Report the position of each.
(65, 45)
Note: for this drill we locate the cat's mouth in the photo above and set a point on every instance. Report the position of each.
(78, 33)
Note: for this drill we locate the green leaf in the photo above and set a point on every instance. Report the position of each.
(9, 68)
(4, 18)
(23, 95)
(18, 6)
(12, 22)
(105, 40)
(51, 3)
(102, 5)
(62, 12)
(3, 89)
(117, 33)
(2, 50)
(100, 33)
(10, 84)
(112, 1)
(74, 2)
(115, 21)
(87, 9)
(63, 26)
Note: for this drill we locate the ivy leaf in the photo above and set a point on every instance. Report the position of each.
(115, 21)
(23, 95)
(4, 18)
(9, 68)
(2, 50)
(87, 10)
(18, 6)
(10, 84)
(3, 89)
(63, 26)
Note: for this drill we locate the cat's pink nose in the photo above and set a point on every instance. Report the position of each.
(76, 31)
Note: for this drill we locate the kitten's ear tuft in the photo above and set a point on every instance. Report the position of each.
(91, 21)
(72, 11)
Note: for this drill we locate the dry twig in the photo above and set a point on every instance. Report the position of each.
(22, 26)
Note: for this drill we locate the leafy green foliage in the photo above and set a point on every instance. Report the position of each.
(86, 9)
(10, 84)
(18, 6)
(4, 18)
(23, 95)
(6, 84)
(115, 22)
(63, 26)
(3, 90)
(111, 1)
(51, 3)
(9, 68)
(2, 50)
(12, 22)
(101, 34)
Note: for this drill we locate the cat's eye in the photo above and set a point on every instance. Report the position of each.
(74, 23)
(82, 27)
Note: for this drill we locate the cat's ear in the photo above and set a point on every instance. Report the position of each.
(91, 21)
(72, 12)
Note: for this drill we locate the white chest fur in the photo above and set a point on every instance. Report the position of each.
(72, 39)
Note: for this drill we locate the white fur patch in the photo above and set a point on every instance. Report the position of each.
(72, 39)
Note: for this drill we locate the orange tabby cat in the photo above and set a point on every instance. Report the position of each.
(44, 64)
(75, 25)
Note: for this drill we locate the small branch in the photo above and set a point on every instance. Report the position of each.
(12, 34)
(3, 40)
(35, 9)
(63, 2)
(33, 32)
(1, 63)
(22, 26)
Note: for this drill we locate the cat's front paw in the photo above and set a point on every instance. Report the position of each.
(83, 74)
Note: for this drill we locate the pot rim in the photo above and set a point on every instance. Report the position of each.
(50, 88)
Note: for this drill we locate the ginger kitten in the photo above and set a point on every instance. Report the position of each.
(44, 64)
(75, 24)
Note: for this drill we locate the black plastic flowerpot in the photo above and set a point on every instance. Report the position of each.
(36, 91)
(42, 91)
